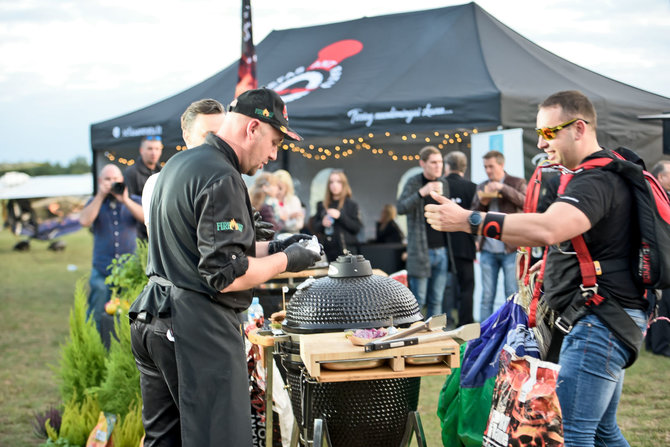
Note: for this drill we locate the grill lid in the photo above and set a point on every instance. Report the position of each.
(349, 266)
(350, 297)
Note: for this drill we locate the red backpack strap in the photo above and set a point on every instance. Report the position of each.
(537, 291)
(586, 265)
(567, 174)
(533, 191)
(589, 270)
(530, 206)
(565, 179)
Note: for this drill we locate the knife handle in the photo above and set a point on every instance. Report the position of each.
(378, 346)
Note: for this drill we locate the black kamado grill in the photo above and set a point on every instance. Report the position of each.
(364, 413)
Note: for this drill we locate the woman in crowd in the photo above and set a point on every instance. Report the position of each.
(263, 194)
(291, 213)
(337, 220)
(388, 230)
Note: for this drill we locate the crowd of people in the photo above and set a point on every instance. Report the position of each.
(440, 266)
(185, 324)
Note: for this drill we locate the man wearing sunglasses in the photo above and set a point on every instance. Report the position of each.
(597, 204)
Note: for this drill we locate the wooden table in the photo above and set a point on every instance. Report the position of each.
(319, 348)
(266, 341)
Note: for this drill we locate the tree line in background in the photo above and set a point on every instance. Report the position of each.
(78, 165)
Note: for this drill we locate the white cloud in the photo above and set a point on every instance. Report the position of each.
(103, 58)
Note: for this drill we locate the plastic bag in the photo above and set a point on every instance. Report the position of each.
(101, 436)
(525, 410)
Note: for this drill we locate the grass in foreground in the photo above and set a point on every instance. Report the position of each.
(35, 300)
(37, 294)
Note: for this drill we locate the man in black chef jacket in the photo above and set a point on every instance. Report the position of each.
(203, 261)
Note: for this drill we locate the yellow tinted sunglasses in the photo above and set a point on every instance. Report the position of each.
(549, 133)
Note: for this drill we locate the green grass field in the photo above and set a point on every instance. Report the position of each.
(36, 296)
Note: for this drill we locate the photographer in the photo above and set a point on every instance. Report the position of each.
(112, 215)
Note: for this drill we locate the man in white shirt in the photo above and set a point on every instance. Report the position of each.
(199, 119)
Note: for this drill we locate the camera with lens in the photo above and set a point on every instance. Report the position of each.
(118, 187)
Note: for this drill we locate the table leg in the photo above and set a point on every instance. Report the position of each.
(269, 370)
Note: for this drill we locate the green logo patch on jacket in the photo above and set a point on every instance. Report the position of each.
(230, 225)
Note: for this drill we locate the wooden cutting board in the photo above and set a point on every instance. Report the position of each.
(317, 349)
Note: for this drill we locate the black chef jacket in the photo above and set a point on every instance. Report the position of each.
(201, 228)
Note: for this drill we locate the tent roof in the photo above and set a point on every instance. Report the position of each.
(446, 68)
(407, 61)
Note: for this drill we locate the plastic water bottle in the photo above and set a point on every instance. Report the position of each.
(328, 231)
(255, 313)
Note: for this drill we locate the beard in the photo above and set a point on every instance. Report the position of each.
(255, 169)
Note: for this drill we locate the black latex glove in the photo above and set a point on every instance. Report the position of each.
(299, 257)
(264, 231)
(281, 245)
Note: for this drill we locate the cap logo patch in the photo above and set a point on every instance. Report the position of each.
(285, 113)
(230, 225)
(264, 113)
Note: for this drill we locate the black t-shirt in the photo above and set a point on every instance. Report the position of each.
(606, 201)
(135, 178)
(436, 239)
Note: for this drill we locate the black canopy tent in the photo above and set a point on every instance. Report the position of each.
(365, 92)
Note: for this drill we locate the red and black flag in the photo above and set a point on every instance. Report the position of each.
(246, 71)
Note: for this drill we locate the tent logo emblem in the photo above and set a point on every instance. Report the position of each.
(324, 72)
(132, 132)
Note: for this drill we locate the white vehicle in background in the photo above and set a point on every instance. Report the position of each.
(43, 207)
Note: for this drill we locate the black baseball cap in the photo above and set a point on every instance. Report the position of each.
(266, 105)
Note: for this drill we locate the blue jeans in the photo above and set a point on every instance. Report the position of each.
(99, 295)
(490, 264)
(590, 382)
(429, 292)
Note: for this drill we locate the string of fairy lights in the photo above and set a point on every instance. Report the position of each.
(120, 160)
(351, 145)
(370, 143)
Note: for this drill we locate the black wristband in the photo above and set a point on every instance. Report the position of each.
(493, 225)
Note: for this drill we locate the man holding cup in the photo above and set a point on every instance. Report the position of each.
(427, 249)
(502, 193)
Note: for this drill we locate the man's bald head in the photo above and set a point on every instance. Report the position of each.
(109, 174)
(110, 169)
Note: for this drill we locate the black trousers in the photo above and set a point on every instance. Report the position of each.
(460, 289)
(195, 389)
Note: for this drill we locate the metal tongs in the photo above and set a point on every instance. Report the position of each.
(434, 323)
(460, 335)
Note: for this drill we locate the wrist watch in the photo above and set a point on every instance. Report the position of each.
(475, 219)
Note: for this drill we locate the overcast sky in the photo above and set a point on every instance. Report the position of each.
(66, 64)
